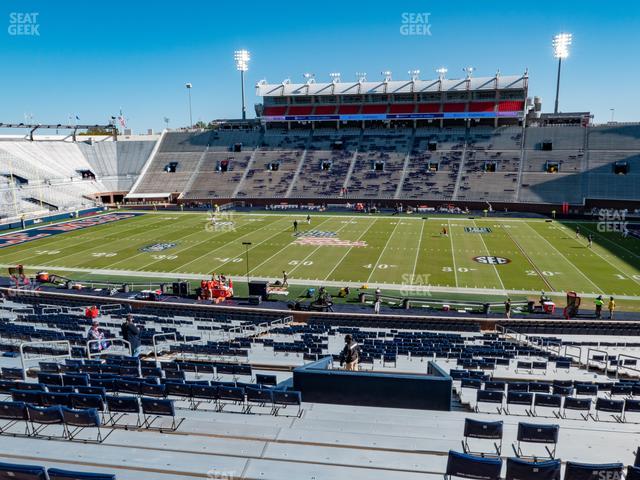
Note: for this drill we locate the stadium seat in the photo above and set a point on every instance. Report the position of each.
(613, 407)
(282, 399)
(260, 397)
(489, 396)
(44, 417)
(119, 407)
(14, 413)
(469, 466)
(22, 472)
(547, 401)
(154, 409)
(58, 474)
(76, 421)
(540, 434)
(482, 430)
(518, 469)
(577, 404)
(587, 471)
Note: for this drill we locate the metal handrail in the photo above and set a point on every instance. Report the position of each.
(606, 358)
(628, 368)
(23, 360)
(112, 341)
(155, 345)
(567, 354)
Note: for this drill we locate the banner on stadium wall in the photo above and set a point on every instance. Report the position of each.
(392, 116)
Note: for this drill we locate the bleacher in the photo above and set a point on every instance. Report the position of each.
(218, 398)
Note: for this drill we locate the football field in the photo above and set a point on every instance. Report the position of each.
(409, 253)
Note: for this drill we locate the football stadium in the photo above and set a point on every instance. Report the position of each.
(333, 276)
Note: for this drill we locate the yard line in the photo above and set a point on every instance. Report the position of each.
(75, 245)
(181, 239)
(278, 252)
(526, 255)
(565, 258)
(373, 270)
(235, 240)
(489, 254)
(453, 252)
(350, 248)
(630, 276)
(415, 262)
(61, 237)
(318, 248)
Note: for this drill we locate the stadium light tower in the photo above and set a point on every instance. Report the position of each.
(189, 86)
(561, 44)
(414, 74)
(442, 72)
(242, 58)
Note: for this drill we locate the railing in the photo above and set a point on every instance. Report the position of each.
(618, 366)
(39, 357)
(110, 307)
(570, 355)
(161, 335)
(605, 361)
(112, 342)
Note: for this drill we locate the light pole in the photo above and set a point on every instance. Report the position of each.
(561, 44)
(613, 112)
(189, 86)
(242, 58)
(246, 251)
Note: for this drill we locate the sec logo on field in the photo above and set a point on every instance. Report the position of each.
(491, 260)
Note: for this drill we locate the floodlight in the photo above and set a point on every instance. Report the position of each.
(561, 43)
(242, 58)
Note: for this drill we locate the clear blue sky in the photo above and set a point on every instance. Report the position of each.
(91, 58)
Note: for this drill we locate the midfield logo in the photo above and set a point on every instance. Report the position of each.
(477, 229)
(157, 247)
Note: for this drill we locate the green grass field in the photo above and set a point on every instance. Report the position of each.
(404, 253)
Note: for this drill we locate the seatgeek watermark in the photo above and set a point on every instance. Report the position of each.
(612, 220)
(413, 284)
(220, 222)
(415, 24)
(215, 474)
(24, 24)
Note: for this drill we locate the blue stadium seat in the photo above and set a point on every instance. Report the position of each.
(587, 471)
(22, 472)
(80, 420)
(119, 407)
(283, 398)
(480, 429)
(154, 408)
(518, 469)
(59, 474)
(44, 417)
(534, 433)
(469, 466)
(14, 413)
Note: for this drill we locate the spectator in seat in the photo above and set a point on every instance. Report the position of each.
(131, 333)
(350, 354)
(95, 333)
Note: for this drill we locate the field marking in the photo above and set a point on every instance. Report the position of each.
(234, 240)
(318, 248)
(63, 237)
(528, 258)
(132, 239)
(277, 252)
(453, 253)
(604, 238)
(185, 248)
(375, 220)
(566, 259)
(489, 254)
(415, 262)
(603, 258)
(77, 252)
(373, 270)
